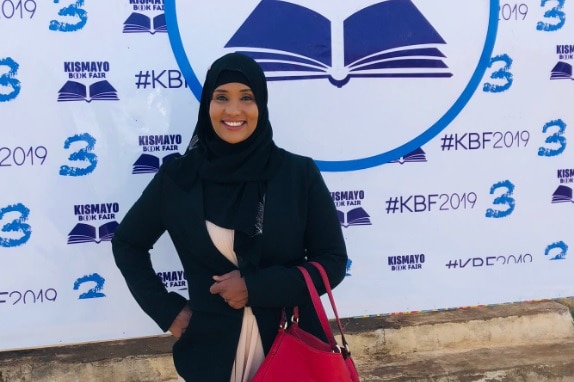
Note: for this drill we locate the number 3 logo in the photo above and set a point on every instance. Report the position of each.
(561, 246)
(502, 73)
(557, 137)
(82, 155)
(16, 225)
(504, 199)
(8, 80)
(555, 12)
(94, 292)
(71, 10)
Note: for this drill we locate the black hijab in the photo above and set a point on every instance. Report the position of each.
(234, 176)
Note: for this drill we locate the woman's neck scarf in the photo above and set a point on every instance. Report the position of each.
(234, 176)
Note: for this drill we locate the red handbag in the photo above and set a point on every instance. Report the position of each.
(298, 356)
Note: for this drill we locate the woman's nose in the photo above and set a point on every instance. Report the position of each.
(233, 108)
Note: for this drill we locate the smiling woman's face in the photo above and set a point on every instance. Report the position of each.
(233, 112)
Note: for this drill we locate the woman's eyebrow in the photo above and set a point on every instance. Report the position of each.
(246, 90)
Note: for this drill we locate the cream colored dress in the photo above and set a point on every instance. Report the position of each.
(250, 353)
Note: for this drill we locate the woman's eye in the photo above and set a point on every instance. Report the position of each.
(221, 98)
(247, 98)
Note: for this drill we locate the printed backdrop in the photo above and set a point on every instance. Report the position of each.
(442, 130)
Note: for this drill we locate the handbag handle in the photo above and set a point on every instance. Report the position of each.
(332, 300)
(321, 310)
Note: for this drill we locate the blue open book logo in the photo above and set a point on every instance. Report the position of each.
(150, 164)
(354, 217)
(417, 155)
(77, 91)
(86, 233)
(563, 194)
(561, 71)
(355, 84)
(400, 43)
(140, 23)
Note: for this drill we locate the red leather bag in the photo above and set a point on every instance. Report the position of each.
(298, 356)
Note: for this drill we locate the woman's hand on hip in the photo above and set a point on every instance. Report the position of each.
(179, 324)
(232, 289)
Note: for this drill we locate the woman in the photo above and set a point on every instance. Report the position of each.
(242, 214)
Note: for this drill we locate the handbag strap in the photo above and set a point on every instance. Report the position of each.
(332, 300)
(321, 310)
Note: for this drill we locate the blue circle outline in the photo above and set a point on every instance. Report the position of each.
(375, 160)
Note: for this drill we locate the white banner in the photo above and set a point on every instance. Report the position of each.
(441, 128)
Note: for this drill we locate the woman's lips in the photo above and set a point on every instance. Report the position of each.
(234, 125)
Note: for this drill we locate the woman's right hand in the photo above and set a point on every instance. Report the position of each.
(179, 325)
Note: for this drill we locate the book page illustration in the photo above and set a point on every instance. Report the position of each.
(387, 39)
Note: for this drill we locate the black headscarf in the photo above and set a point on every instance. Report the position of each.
(234, 176)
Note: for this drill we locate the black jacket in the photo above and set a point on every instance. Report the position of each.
(300, 224)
